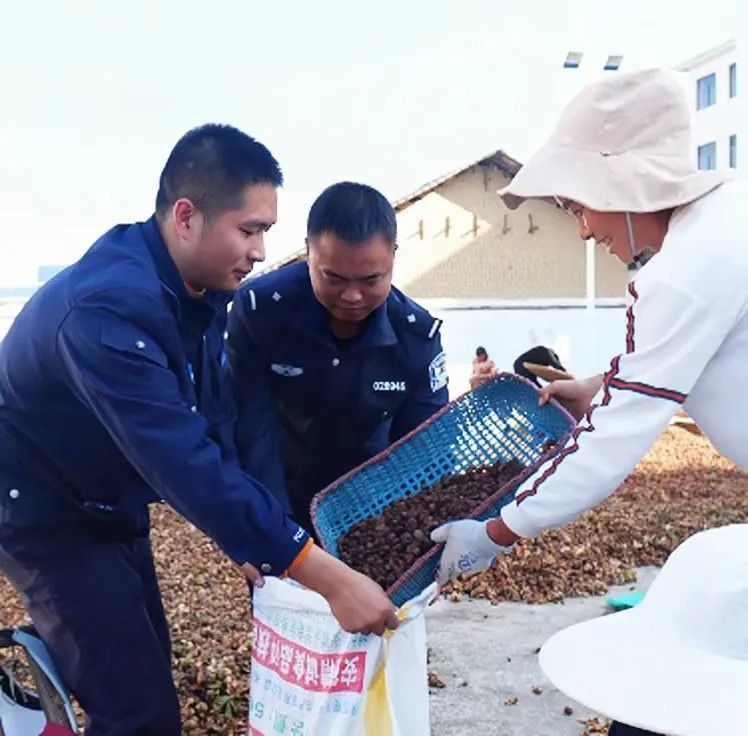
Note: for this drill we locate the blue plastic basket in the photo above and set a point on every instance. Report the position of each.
(498, 422)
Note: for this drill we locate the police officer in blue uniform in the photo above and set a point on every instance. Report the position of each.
(114, 394)
(331, 364)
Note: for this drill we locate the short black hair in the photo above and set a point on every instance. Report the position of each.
(212, 166)
(354, 212)
(479, 352)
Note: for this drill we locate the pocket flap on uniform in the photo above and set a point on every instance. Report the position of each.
(135, 342)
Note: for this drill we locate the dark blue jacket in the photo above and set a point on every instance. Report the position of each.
(314, 407)
(114, 393)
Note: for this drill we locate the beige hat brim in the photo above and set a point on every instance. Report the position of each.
(608, 183)
(618, 666)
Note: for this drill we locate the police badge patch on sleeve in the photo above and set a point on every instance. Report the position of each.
(438, 372)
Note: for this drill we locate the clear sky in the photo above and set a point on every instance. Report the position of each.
(93, 95)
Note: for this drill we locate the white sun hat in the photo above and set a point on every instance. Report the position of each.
(623, 144)
(678, 662)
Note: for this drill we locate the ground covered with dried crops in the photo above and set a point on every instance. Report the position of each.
(682, 486)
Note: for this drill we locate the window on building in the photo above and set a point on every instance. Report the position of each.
(573, 60)
(733, 152)
(733, 80)
(613, 64)
(706, 91)
(708, 156)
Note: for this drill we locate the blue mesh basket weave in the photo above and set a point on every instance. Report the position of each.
(498, 422)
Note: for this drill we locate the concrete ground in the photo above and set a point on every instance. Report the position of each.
(487, 656)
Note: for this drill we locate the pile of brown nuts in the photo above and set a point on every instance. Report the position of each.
(384, 546)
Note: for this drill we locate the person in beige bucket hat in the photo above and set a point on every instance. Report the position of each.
(622, 145)
(619, 161)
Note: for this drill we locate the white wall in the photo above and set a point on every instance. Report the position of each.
(721, 120)
(584, 340)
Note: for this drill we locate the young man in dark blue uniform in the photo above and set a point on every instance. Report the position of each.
(330, 363)
(113, 394)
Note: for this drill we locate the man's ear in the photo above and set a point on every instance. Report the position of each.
(183, 212)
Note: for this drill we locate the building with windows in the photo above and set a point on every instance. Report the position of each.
(713, 96)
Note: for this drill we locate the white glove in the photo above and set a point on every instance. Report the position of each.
(467, 548)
